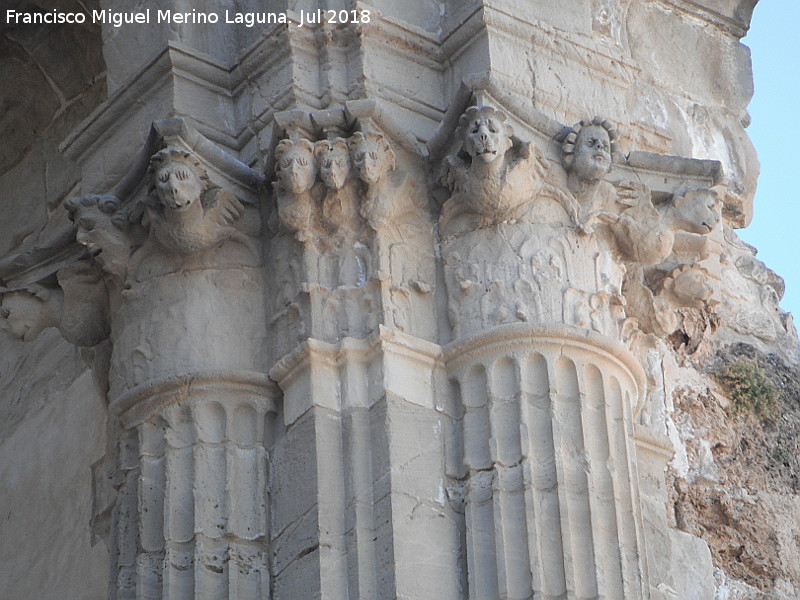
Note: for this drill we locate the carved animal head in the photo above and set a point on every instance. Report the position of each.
(101, 225)
(295, 166)
(178, 179)
(25, 313)
(587, 150)
(696, 211)
(485, 134)
(333, 160)
(372, 156)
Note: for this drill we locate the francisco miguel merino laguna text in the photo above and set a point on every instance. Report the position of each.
(248, 19)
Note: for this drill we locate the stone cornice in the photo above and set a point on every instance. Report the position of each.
(176, 59)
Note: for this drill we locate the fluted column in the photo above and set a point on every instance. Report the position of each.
(549, 474)
(190, 401)
(194, 513)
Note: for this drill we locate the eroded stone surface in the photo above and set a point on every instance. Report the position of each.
(361, 293)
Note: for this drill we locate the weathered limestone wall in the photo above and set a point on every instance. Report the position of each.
(381, 309)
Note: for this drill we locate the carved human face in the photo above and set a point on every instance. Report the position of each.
(592, 158)
(486, 139)
(178, 185)
(106, 244)
(334, 166)
(23, 316)
(296, 169)
(370, 161)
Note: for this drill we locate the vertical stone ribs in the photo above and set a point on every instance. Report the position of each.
(548, 489)
(194, 501)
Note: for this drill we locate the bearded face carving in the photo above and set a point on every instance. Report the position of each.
(588, 149)
(592, 153)
(186, 212)
(295, 166)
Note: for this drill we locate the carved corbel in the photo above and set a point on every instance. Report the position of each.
(79, 304)
(295, 168)
(77, 307)
(333, 162)
(492, 177)
(373, 163)
(185, 212)
(642, 232)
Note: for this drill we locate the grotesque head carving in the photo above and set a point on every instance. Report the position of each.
(588, 148)
(697, 211)
(178, 179)
(101, 226)
(295, 165)
(372, 156)
(333, 158)
(485, 134)
(25, 313)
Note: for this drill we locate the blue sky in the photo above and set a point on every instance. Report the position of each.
(775, 130)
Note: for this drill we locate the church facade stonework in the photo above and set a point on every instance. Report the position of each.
(446, 302)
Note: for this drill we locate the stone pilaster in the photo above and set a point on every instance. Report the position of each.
(359, 483)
